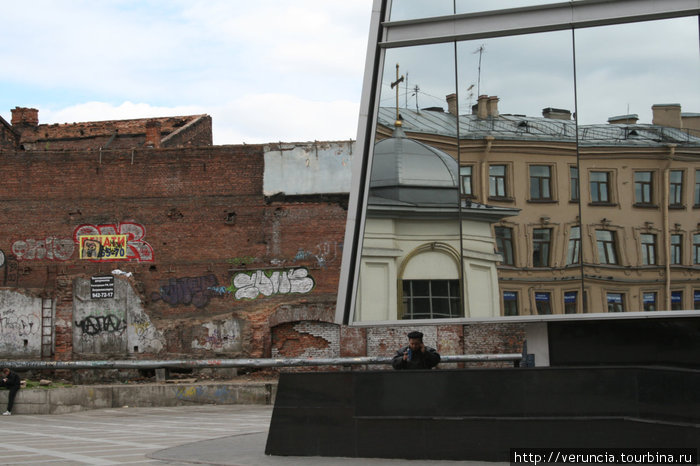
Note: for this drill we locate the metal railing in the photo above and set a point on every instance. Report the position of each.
(515, 358)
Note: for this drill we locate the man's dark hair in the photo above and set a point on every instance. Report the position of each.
(417, 335)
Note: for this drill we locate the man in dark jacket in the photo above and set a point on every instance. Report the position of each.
(10, 380)
(416, 355)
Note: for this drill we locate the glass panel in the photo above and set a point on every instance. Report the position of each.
(412, 231)
(472, 6)
(516, 97)
(638, 93)
(414, 9)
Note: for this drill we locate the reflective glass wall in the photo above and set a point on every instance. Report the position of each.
(526, 175)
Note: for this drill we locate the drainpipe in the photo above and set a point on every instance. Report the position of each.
(666, 227)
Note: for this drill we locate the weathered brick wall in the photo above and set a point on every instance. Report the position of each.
(211, 259)
(494, 338)
(217, 268)
(8, 139)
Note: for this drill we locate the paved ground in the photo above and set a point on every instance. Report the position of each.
(202, 434)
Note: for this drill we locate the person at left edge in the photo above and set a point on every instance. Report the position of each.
(10, 380)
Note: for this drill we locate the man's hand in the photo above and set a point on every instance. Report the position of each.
(405, 355)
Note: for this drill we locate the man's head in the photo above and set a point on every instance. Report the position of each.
(5, 370)
(415, 341)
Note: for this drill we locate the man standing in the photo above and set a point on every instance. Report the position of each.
(416, 355)
(10, 381)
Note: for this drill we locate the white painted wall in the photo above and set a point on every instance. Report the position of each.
(20, 325)
(308, 168)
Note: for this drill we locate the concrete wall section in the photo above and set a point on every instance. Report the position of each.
(20, 324)
(310, 168)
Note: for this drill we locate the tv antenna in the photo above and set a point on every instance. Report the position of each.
(480, 51)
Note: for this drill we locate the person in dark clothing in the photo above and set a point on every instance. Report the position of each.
(10, 380)
(416, 355)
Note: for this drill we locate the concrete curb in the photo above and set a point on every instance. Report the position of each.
(84, 397)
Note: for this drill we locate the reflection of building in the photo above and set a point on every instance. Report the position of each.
(636, 187)
(412, 239)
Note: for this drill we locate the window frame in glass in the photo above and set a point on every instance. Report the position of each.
(606, 247)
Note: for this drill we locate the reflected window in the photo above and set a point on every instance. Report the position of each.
(465, 175)
(497, 181)
(600, 187)
(675, 195)
(676, 249)
(643, 188)
(605, 240)
(541, 242)
(649, 301)
(573, 184)
(616, 302)
(676, 300)
(510, 303)
(543, 303)
(431, 299)
(540, 183)
(696, 249)
(697, 188)
(570, 302)
(573, 254)
(504, 243)
(696, 300)
(648, 249)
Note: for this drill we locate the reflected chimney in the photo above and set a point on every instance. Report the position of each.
(556, 113)
(452, 104)
(492, 105)
(22, 116)
(666, 115)
(482, 111)
(152, 134)
(624, 119)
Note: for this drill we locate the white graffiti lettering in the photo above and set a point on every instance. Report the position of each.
(50, 248)
(249, 285)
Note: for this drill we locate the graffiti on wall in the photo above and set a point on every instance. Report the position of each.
(220, 336)
(143, 337)
(95, 325)
(49, 248)
(250, 285)
(188, 290)
(324, 254)
(100, 331)
(17, 324)
(20, 330)
(135, 249)
(119, 241)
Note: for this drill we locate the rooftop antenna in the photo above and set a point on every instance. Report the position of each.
(480, 51)
(415, 92)
(470, 95)
(395, 84)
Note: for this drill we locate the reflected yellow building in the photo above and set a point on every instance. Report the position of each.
(635, 185)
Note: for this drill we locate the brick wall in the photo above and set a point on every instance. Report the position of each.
(216, 268)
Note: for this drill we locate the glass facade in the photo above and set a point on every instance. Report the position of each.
(518, 112)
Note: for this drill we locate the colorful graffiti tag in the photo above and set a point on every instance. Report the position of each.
(188, 290)
(107, 239)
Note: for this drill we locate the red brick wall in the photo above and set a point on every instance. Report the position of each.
(221, 251)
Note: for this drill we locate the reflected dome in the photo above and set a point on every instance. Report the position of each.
(409, 171)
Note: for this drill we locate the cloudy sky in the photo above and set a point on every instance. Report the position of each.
(265, 70)
(291, 70)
